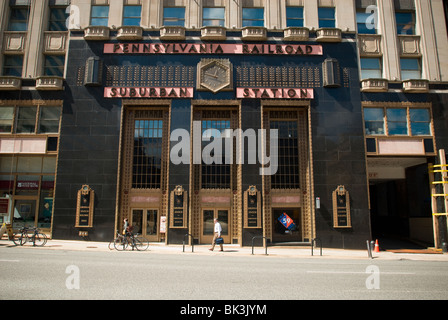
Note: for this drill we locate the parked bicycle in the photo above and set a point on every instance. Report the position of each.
(136, 241)
(33, 235)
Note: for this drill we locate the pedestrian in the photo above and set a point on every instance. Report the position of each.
(126, 225)
(217, 236)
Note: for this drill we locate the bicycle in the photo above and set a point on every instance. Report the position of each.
(33, 235)
(121, 242)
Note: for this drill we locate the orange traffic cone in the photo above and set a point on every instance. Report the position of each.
(377, 247)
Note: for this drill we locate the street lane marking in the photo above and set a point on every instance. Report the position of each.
(357, 272)
(4, 260)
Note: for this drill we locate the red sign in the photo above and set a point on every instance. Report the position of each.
(4, 205)
(274, 93)
(147, 92)
(212, 48)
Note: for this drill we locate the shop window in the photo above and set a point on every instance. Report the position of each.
(54, 65)
(253, 17)
(327, 17)
(365, 26)
(46, 202)
(58, 19)
(174, 16)
(374, 121)
(215, 171)
(49, 119)
(147, 163)
(99, 16)
(6, 118)
(18, 19)
(405, 23)
(294, 16)
(132, 15)
(213, 17)
(26, 119)
(27, 185)
(420, 122)
(410, 69)
(371, 68)
(12, 65)
(288, 174)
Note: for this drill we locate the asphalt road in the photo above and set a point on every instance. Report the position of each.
(37, 273)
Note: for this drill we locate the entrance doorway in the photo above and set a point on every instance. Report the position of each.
(280, 233)
(208, 225)
(400, 207)
(145, 222)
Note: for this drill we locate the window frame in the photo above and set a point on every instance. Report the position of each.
(361, 12)
(99, 17)
(253, 21)
(53, 25)
(19, 22)
(10, 67)
(215, 175)
(400, 26)
(222, 21)
(322, 18)
(299, 19)
(409, 71)
(175, 19)
(144, 175)
(131, 17)
(408, 120)
(364, 70)
(16, 107)
(59, 68)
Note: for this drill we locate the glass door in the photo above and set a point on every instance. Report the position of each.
(145, 222)
(152, 226)
(208, 225)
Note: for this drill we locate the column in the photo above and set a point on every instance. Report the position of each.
(388, 29)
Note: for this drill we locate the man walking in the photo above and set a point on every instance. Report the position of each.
(218, 231)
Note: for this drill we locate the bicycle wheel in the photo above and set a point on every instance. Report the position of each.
(19, 239)
(120, 244)
(141, 244)
(40, 239)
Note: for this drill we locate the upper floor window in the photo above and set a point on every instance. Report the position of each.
(371, 68)
(400, 121)
(174, 16)
(54, 65)
(6, 118)
(18, 19)
(364, 23)
(294, 16)
(58, 19)
(99, 16)
(132, 15)
(49, 119)
(213, 17)
(410, 68)
(12, 65)
(147, 162)
(327, 17)
(253, 17)
(405, 23)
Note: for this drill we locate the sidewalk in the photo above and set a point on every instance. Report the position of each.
(236, 250)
